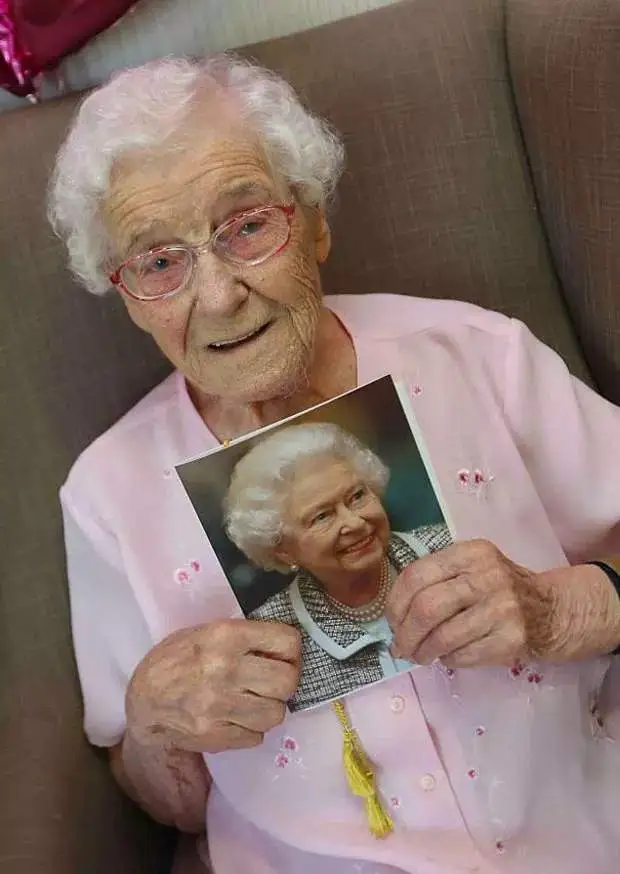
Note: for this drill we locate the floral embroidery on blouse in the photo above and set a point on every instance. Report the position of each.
(516, 670)
(183, 575)
(597, 723)
(439, 666)
(475, 482)
(285, 756)
(464, 476)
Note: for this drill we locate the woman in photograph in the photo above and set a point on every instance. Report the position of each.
(309, 499)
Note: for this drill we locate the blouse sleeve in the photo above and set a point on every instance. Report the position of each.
(109, 633)
(569, 438)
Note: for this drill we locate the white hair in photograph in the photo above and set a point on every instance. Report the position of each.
(255, 502)
(143, 107)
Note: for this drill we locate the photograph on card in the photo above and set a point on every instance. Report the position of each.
(313, 519)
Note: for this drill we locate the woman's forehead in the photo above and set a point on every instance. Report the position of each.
(203, 181)
(321, 478)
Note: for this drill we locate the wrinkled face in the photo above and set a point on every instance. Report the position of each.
(335, 524)
(180, 197)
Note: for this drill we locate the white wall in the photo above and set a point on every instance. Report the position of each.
(157, 27)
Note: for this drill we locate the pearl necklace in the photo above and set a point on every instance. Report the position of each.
(375, 608)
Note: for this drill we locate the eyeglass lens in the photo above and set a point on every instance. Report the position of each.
(249, 239)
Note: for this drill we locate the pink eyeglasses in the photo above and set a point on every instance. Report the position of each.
(249, 238)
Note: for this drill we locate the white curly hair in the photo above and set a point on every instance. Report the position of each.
(255, 503)
(144, 106)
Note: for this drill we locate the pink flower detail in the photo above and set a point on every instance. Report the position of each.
(500, 846)
(395, 801)
(289, 743)
(472, 773)
(182, 576)
(474, 482)
(450, 672)
(534, 677)
(517, 669)
(480, 731)
(416, 391)
(281, 760)
(195, 565)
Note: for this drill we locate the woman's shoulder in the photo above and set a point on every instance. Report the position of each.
(392, 316)
(433, 537)
(276, 608)
(141, 438)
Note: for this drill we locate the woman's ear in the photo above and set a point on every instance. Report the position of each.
(323, 238)
(285, 557)
(321, 233)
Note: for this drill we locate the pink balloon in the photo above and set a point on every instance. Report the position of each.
(14, 61)
(36, 34)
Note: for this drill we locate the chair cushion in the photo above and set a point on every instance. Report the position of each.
(564, 63)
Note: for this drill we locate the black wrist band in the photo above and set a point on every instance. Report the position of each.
(614, 579)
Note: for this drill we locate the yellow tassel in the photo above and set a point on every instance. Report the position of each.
(361, 777)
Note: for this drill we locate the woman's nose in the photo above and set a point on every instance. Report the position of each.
(218, 288)
(350, 520)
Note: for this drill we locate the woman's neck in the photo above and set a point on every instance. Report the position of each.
(354, 590)
(333, 372)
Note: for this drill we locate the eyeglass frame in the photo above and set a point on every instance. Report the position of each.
(287, 209)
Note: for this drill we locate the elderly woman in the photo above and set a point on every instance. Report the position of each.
(309, 497)
(199, 191)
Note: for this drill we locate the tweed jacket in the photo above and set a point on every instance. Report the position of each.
(338, 655)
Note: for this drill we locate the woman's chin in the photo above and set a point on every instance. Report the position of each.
(267, 385)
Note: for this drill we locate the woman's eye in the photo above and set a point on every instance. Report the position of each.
(160, 263)
(323, 516)
(157, 264)
(358, 494)
(168, 266)
(249, 228)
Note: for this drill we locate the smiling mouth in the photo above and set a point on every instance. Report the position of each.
(360, 545)
(226, 345)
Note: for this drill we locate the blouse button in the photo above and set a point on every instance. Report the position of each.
(397, 704)
(428, 782)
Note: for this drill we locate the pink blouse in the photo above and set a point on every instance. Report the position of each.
(484, 770)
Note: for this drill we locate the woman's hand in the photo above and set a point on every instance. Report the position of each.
(470, 605)
(215, 687)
